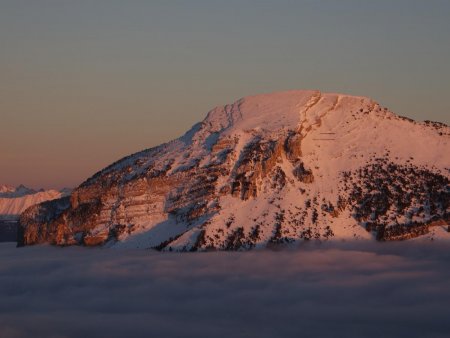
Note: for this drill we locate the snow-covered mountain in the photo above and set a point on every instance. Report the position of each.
(7, 191)
(267, 169)
(14, 200)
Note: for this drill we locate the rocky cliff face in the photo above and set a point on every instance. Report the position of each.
(268, 169)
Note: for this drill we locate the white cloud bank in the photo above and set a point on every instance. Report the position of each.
(388, 290)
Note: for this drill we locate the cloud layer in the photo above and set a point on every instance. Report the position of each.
(387, 290)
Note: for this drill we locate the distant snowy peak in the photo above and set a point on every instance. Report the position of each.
(6, 188)
(14, 200)
(267, 169)
(13, 192)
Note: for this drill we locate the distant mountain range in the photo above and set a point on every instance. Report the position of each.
(268, 169)
(7, 191)
(14, 200)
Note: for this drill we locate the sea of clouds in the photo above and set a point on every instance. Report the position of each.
(364, 290)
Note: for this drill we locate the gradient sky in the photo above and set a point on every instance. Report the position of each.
(83, 83)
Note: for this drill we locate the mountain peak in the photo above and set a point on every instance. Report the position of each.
(13, 192)
(287, 109)
(267, 169)
(15, 200)
(4, 188)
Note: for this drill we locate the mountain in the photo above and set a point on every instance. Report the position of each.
(267, 169)
(14, 200)
(7, 191)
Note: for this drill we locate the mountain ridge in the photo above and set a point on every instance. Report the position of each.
(267, 169)
(15, 200)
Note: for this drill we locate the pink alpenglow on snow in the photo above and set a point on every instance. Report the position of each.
(15, 200)
(268, 169)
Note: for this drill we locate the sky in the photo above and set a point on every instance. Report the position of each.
(84, 83)
(368, 290)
